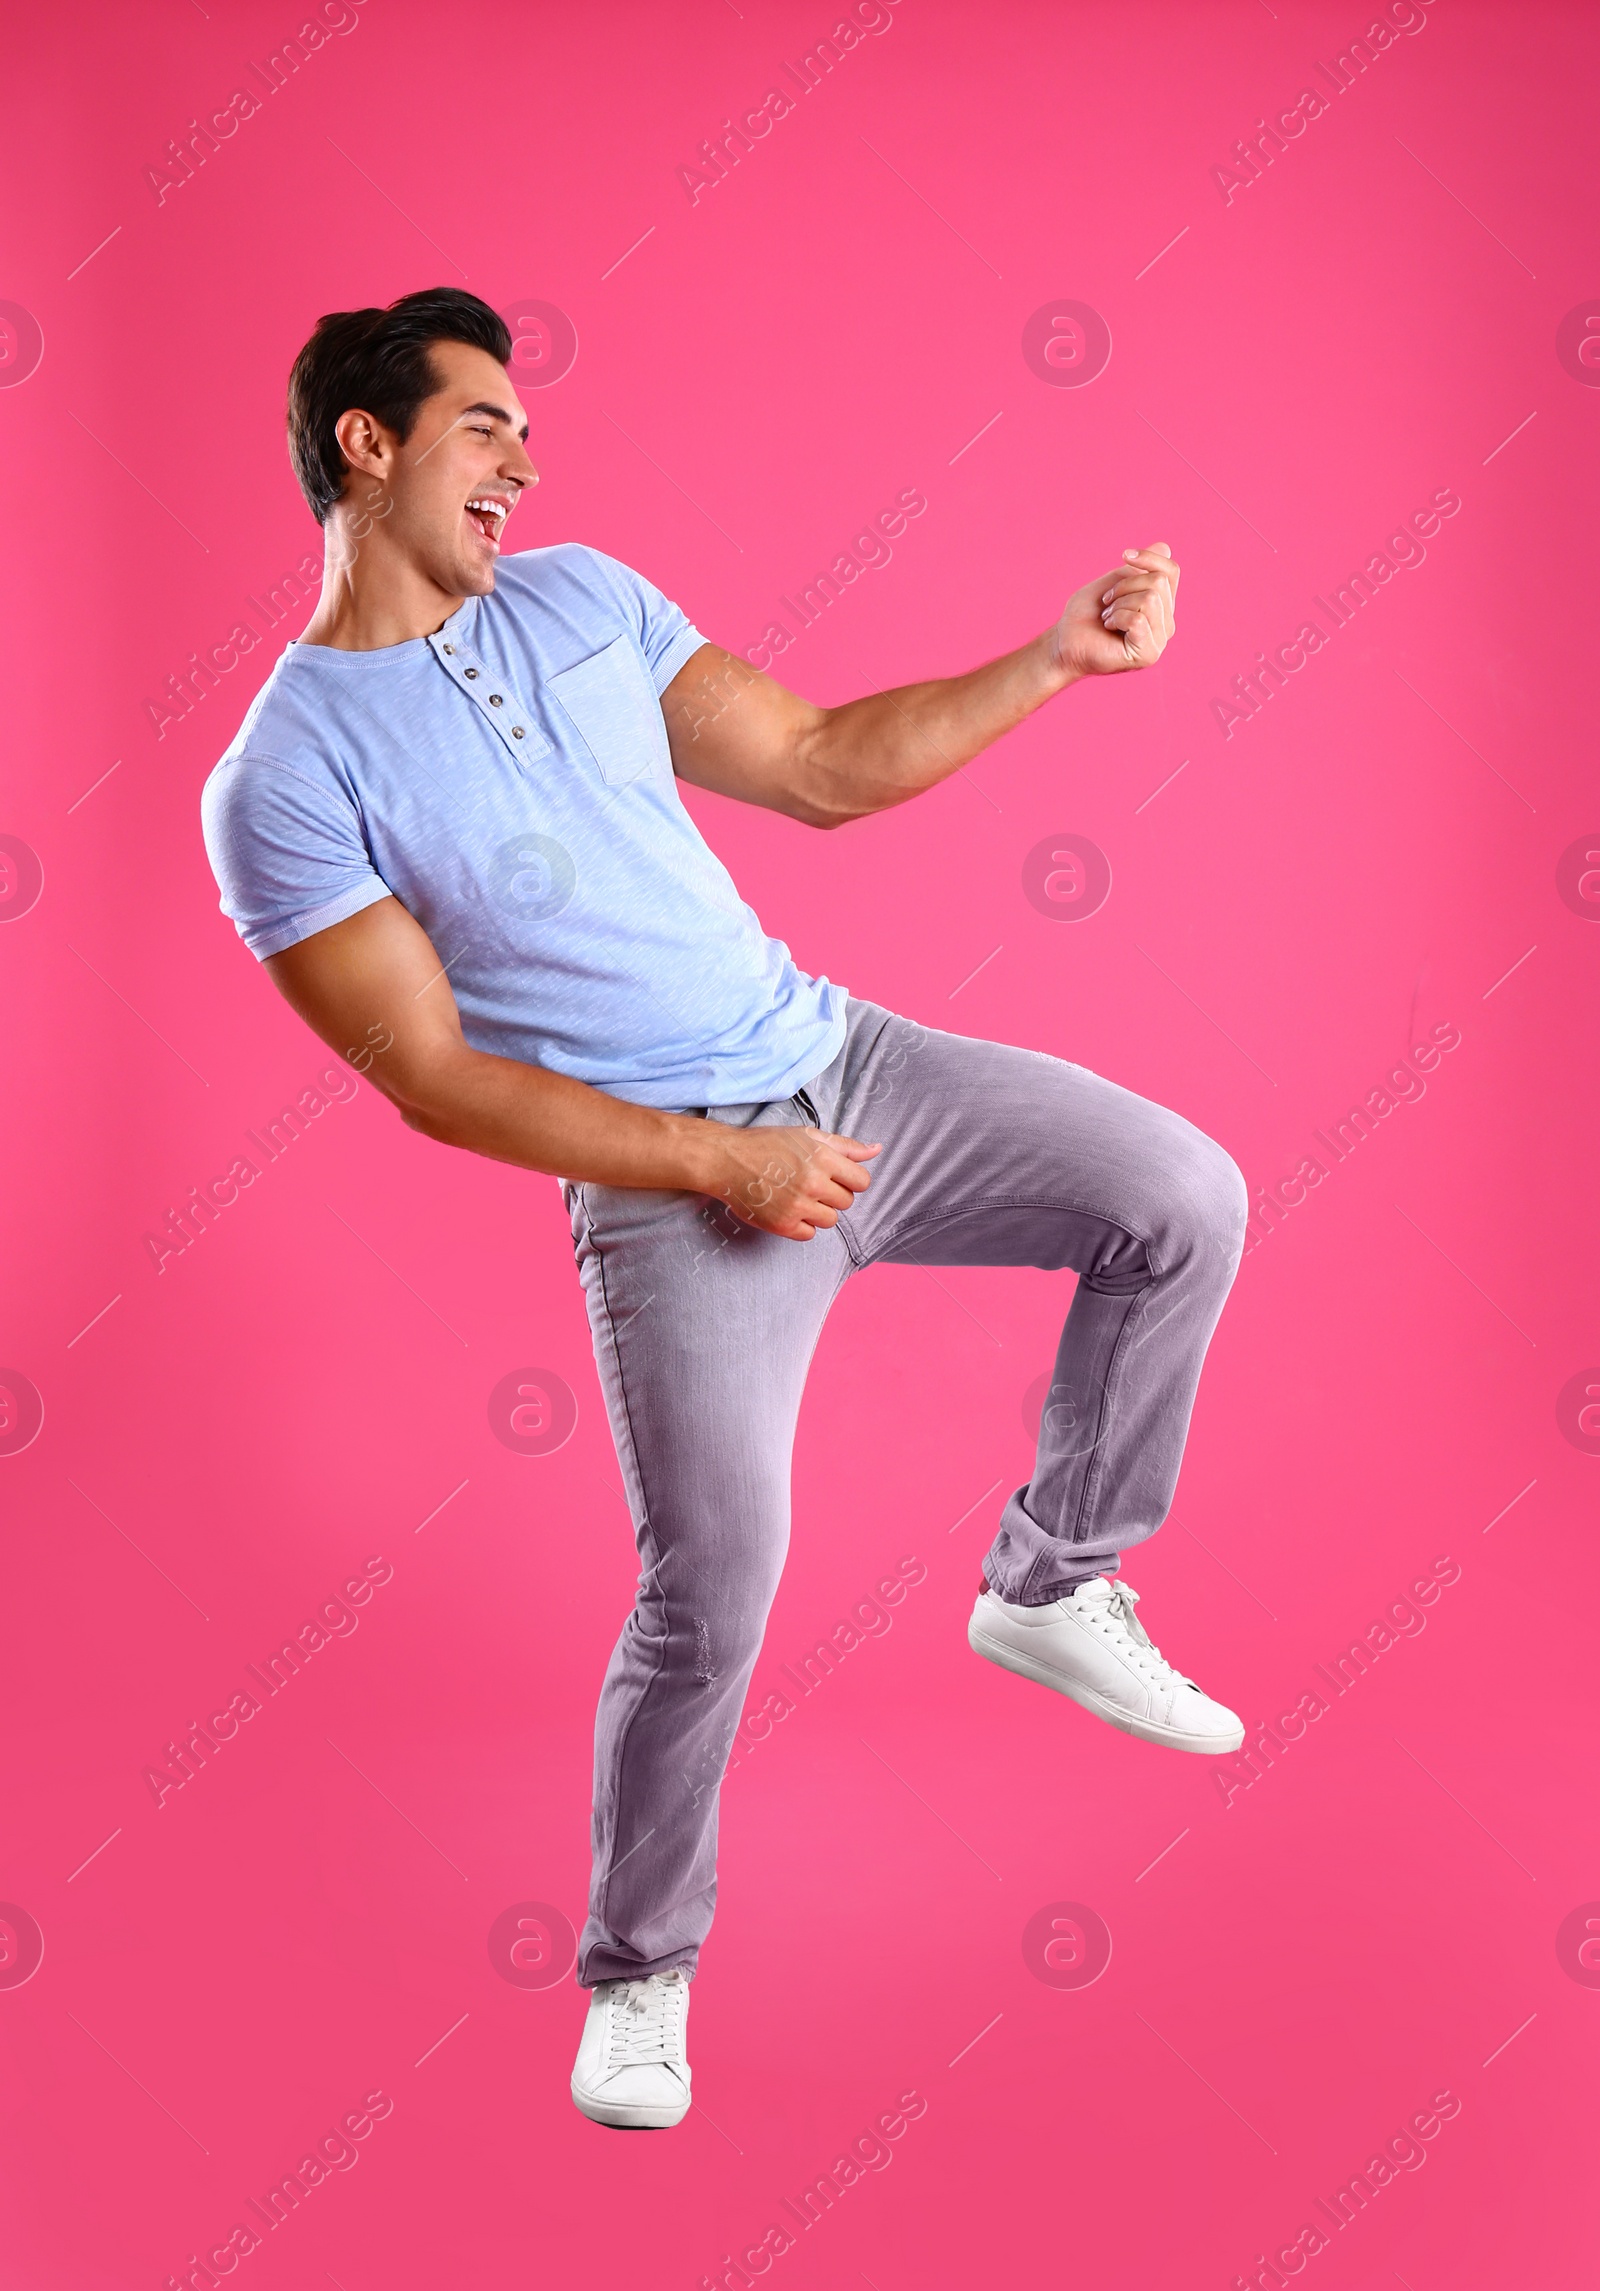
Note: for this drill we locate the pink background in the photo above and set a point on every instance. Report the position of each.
(1294, 371)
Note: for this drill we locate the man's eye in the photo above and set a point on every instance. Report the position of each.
(481, 430)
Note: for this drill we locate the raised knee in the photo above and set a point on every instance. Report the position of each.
(1211, 1203)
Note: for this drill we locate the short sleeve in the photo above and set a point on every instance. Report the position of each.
(287, 852)
(667, 637)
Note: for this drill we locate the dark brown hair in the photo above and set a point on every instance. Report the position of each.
(378, 360)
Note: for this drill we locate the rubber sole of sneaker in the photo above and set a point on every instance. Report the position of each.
(639, 2118)
(1143, 1729)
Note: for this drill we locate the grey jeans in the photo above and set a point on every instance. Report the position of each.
(704, 1329)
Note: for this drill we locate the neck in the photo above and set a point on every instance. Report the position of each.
(373, 596)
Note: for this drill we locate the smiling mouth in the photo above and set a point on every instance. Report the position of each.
(487, 518)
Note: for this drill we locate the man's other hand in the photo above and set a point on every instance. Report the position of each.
(1123, 619)
(792, 1182)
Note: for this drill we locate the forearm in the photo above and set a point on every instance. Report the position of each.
(879, 751)
(540, 1120)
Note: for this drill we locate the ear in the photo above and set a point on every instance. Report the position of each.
(365, 443)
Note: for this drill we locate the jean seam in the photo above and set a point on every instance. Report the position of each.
(620, 1757)
(936, 1217)
(1091, 1478)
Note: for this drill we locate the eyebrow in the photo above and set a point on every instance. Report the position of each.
(500, 415)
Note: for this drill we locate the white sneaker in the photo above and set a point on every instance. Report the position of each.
(1089, 1645)
(632, 2069)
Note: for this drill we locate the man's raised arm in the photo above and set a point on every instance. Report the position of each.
(374, 989)
(739, 732)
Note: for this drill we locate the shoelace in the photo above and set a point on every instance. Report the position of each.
(1115, 1608)
(638, 2023)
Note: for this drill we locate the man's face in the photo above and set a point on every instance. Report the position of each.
(445, 495)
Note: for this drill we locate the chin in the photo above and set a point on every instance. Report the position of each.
(473, 580)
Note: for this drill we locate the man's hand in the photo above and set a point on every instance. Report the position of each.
(1122, 620)
(789, 1182)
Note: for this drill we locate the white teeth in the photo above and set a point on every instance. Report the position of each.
(494, 508)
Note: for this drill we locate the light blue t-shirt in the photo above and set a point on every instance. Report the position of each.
(508, 779)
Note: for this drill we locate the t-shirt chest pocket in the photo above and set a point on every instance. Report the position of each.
(613, 707)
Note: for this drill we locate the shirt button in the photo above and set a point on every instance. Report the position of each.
(471, 672)
(494, 699)
(449, 648)
(516, 731)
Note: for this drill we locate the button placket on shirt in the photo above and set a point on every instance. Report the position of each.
(495, 701)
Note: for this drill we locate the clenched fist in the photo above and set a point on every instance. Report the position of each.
(1123, 619)
(792, 1182)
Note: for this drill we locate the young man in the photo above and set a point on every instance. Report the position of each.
(450, 826)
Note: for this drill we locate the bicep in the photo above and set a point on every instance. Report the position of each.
(374, 989)
(737, 731)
